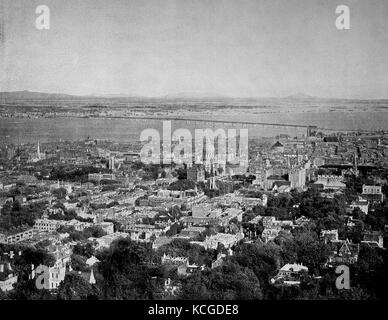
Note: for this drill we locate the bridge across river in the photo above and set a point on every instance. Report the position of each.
(309, 128)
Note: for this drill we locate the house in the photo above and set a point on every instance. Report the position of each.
(373, 193)
(329, 235)
(290, 274)
(362, 204)
(192, 232)
(269, 234)
(8, 283)
(144, 232)
(226, 239)
(281, 186)
(343, 252)
(167, 259)
(373, 238)
(301, 221)
(53, 275)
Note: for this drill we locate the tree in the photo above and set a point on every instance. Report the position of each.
(60, 193)
(128, 271)
(78, 262)
(228, 282)
(85, 250)
(262, 259)
(74, 287)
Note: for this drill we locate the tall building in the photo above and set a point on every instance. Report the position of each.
(297, 177)
(112, 162)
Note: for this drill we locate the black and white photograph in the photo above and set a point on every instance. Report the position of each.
(194, 150)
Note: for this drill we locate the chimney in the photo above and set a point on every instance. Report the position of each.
(1, 267)
(9, 266)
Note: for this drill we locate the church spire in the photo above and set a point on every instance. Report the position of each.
(38, 151)
(92, 280)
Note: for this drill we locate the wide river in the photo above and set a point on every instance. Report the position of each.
(21, 130)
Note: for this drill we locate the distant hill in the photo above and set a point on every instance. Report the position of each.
(14, 96)
(25, 95)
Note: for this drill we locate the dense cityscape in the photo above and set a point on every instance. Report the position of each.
(89, 220)
(194, 158)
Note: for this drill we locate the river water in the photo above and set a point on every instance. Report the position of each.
(23, 130)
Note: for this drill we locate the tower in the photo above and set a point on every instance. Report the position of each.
(112, 162)
(38, 151)
(355, 168)
(212, 177)
(92, 280)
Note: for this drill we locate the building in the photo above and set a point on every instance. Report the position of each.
(167, 259)
(105, 241)
(297, 177)
(277, 147)
(361, 204)
(301, 221)
(7, 277)
(107, 227)
(144, 232)
(15, 236)
(330, 182)
(329, 235)
(269, 234)
(226, 239)
(46, 225)
(372, 193)
(344, 252)
(192, 232)
(196, 173)
(101, 176)
(290, 274)
(8, 283)
(373, 238)
(54, 275)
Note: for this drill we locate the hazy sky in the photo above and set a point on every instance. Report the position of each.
(238, 48)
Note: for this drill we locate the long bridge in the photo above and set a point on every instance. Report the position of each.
(309, 128)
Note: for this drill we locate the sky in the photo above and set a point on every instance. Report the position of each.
(244, 48)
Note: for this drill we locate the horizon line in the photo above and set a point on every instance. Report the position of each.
(189, 95)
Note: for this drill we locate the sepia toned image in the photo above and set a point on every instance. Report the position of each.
(193, 150)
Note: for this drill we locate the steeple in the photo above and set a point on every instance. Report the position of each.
(92, 280)
(355, 169)
(38, 151)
